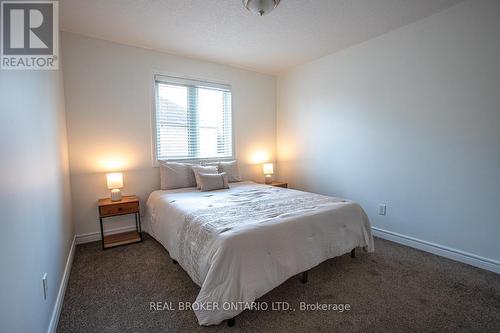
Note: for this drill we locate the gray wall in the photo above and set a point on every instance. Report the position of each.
(35, 206)
(411, 119)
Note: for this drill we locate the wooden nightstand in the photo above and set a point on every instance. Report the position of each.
(127, 205)
(278, 184)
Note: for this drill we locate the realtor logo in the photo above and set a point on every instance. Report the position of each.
(29, 35)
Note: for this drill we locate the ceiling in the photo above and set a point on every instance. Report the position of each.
(223, 31)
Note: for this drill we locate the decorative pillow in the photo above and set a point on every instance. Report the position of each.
(197, 169)
(232, 170)
(210, 181)
(176, 175)
(210, 164)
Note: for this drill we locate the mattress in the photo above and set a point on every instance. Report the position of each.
(238, 244)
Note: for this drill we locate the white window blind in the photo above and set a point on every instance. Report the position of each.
(193, 120)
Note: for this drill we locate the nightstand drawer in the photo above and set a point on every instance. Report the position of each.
(123, 208)
(276, 183)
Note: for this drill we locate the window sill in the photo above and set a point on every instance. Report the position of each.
(156, 163)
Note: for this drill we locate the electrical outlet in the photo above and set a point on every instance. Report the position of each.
(382, 209)
(45, 286)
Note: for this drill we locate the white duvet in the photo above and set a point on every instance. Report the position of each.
(239, 244)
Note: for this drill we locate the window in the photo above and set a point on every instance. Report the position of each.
(193, 120)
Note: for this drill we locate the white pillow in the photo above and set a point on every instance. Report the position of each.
(210, 164)
(176, 175)
(232, 170)
(210, 169)
(210, 181)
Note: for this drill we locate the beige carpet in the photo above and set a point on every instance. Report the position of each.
(395, 289)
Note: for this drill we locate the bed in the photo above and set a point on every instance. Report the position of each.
(238, 244)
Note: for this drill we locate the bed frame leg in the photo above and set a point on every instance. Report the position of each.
(174, 261)
(231, 322)
(304, 277)
(353, 253)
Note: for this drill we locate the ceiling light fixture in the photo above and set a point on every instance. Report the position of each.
(260, 7)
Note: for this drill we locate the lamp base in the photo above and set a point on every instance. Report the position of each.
(116, 195)
(268, 179)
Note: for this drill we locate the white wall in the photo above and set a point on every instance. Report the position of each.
(109, 91)
(35, 206)
(411, 119)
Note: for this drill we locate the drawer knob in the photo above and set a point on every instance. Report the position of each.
(119, 208)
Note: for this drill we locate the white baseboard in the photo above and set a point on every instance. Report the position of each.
(54, 320)
(440, 250)
(95, 236)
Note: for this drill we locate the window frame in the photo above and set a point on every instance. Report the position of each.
(180, 79)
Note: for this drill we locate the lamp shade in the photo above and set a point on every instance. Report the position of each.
(114, 180)
(268, 168)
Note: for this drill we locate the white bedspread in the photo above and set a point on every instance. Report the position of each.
(239, 244)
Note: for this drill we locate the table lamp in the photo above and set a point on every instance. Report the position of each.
(268, 172)
(115, 183)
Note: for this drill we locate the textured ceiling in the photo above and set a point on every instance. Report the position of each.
(223, 31)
